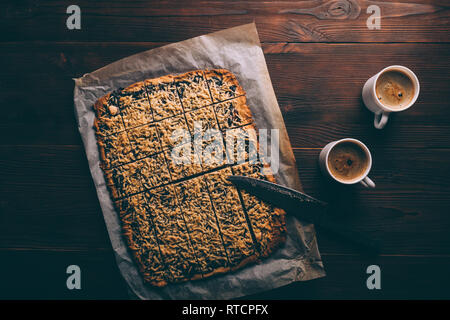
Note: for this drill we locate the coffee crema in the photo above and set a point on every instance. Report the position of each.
(394, 89)
(347, 161)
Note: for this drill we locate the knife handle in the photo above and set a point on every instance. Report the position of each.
(354, 236)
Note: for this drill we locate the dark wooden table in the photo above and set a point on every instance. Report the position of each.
(319, 54)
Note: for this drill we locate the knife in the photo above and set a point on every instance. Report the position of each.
(305, 207)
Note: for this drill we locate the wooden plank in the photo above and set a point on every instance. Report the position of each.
(44, 227)
(39, 211)
(35, 274)
(310, 21)
(403, 175)
(319, 91)
(29, 274)
(48, 200)
(409, 203)
(318, 87)
(401, 278)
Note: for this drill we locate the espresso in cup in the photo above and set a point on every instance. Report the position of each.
(347, 161)
(394, 89)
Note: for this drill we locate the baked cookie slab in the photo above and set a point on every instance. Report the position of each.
(184, 220)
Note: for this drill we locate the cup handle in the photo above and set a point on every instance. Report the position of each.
(380, 120)
(368, 183)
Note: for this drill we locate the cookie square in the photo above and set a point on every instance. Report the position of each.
(230, 214)
(163, 98)
(183, 162)
(172, 234)
(135, 106)
(124, 180)
(202, 119)
(207, 138)
(144, 141)
(115, 150)
(233, 113)
(167, 130)
(108, 120)
(223, 85)
(154, 171)
(193, 90)
(139, 232)
(242, 145)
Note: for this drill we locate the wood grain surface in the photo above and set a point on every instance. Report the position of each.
(319, 54)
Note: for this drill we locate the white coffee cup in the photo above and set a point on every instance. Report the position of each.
(373, 103)
(363, 178)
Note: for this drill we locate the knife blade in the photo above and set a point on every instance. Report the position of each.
(304, 207)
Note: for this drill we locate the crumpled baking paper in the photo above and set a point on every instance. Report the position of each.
(238, 50)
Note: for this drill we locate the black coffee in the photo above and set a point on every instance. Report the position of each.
(347, 161)
(394, 89)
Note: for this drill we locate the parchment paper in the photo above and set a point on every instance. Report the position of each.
(238, 50)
